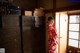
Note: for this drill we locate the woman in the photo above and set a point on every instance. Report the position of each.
(52, 38)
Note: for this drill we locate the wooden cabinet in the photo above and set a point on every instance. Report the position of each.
(10, 34)
(20, 35)
(39, 36)
(28, 34)
(33, 34)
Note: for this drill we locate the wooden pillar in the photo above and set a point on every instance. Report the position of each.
(54, 8)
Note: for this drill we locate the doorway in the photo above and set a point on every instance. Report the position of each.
(61, 26)
(68, 29)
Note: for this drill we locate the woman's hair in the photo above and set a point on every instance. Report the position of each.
(50, 18)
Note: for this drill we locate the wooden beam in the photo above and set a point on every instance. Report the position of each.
(74, 7)
(68, 8)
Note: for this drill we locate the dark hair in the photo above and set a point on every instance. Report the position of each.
(50, 18)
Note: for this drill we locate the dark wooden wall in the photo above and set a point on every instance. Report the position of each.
(25, 4)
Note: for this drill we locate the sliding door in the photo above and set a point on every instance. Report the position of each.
(74, 34)
(61, 26)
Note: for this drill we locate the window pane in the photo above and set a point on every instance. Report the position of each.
(73, 43)
(74, 19)
(73, 35)
(74, 27)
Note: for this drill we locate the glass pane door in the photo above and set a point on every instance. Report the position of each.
(74, 31)
(74, 19)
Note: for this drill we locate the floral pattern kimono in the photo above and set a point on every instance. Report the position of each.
(53, 39)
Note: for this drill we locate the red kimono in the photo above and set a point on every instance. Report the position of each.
(53, 39)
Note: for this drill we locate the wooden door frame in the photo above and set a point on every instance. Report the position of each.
(58, 33)
(67, 34)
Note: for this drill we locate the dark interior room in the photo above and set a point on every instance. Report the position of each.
(23, 25)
